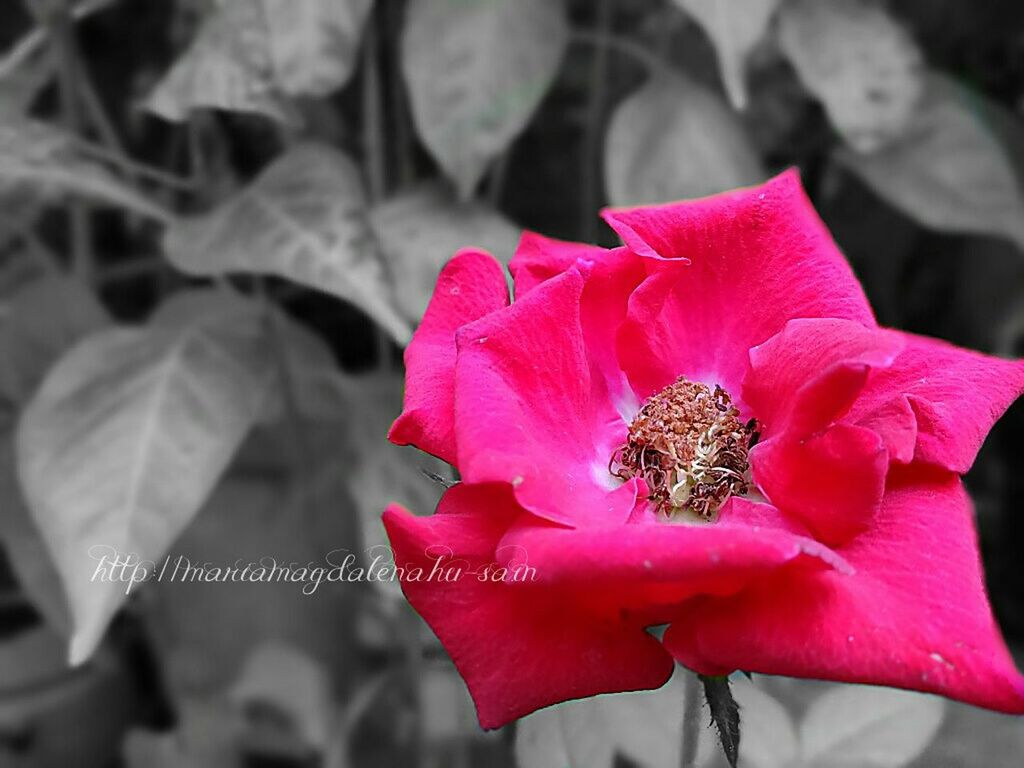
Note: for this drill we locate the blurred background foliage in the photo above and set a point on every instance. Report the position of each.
(220, 222)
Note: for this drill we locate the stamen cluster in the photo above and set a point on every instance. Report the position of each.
(690, 447)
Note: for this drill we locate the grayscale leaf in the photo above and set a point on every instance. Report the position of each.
(856, 725)
(950, 172)
(735, 27)
(645, 727)
(380, 473)
(476, 71)
(42, 320)
(228, 66)
(859, 62)
(252, 55)
(314, 44)
(128, 435)
(421, 229)
(303, 218)
(43, 162)
(674, 139)
(26, 552)
(769, 735)
(294, 684)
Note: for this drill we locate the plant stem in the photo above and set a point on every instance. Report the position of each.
(26, 47)
(373, 140)
(373, 149)
(134, 168)
(622, 45)
(67, 65)
(401, 120)
(496, 180)
(590, 180)
(691, 719)
(303, 459)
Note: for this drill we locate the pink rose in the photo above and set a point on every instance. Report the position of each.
(704, 429)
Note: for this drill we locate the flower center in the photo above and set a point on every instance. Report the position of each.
(690, 447)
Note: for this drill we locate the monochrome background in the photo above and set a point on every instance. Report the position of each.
(221, 220)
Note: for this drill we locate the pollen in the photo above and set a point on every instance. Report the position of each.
(690, 447)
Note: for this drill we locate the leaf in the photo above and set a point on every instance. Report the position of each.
(281, 677)
(318, 386)
(735, 27)
(380, 473)
(206, 737)
(949, 173)
(129, 433)
(645, 727)
(476, 70)
(674, 139)
(859, 62)
(314, 44)
(304, 219)
(769, 736)
(855, 725)
(204, 634)
(419, 230)
(41, 321)
(228, 66)
(25, 550)
(725, 713)
(540, 741)
(44, 162)
(252, 55)
(450, 715)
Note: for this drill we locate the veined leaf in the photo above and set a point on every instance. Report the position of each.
(769, 735)
(43, 319)
(735, 27)
(451, 715)
(380, 473)
(228, 67)
(251, 55)
(421, 229)
(129, 433)
(476, 71)
(314, 44)
(38, 159)
(674, 139)
(25, 550)
(297, 686)
(303, 218)
(859, 62)
(950, 171)
(645, 727)
(206, 736)
(856, 725)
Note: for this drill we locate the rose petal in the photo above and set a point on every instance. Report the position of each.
(603, 305)
(469, 287)
(913, 615)
(529, 412)
(806, 376)
(539, 258)
(760, 257)
(832, 482)
(649, 568)
(517, 646)
(956, 396)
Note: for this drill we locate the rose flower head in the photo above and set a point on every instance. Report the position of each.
(706, 429)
